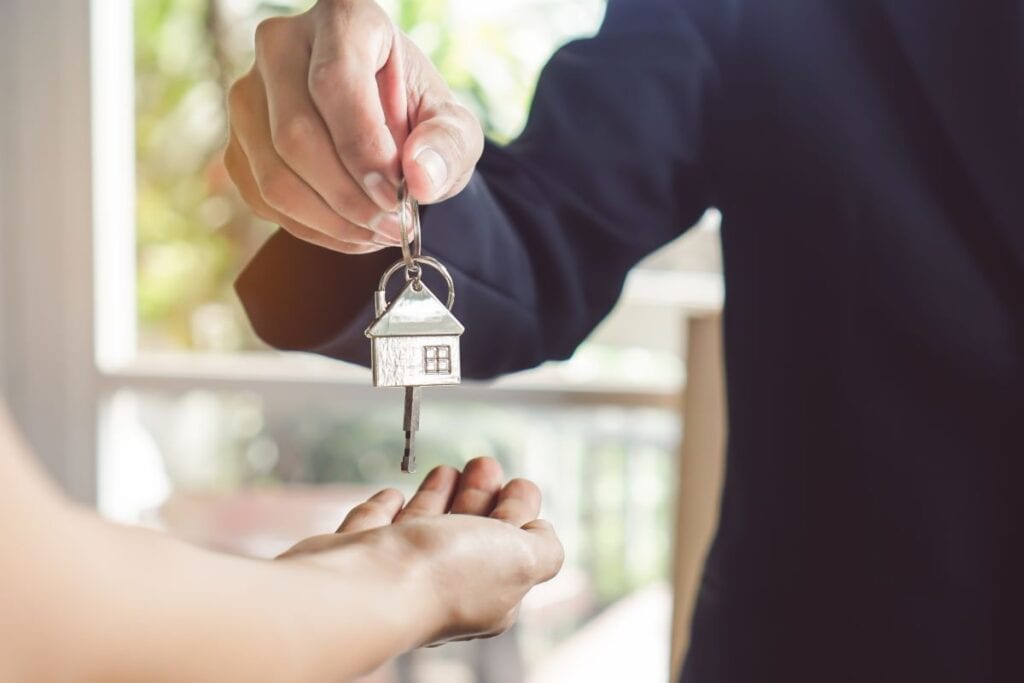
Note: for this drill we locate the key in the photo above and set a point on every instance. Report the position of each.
(414, 339)
(411, 424)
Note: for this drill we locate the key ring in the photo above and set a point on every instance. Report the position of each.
(427, 261)
(409, 228)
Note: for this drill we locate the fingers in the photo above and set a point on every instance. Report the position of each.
(300, 136)
(341, 77)
(439, 156)
(279, 186)
(352, 44)
(479, 484)
(238, 169)
(518, 502)
(434, 496)
(379, 510)
(547, 549)
(241, 175)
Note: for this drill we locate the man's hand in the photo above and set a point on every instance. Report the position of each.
(337, 108)
(478, 542)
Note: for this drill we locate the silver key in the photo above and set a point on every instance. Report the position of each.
(414, 339)
(411, 424)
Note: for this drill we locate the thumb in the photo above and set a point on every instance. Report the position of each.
(441, 151)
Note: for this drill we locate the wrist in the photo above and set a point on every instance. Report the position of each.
(434, 613)
(410, 571)
(383, 577)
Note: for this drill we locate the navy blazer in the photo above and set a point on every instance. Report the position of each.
(868, 160)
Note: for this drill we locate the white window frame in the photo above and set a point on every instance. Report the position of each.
(46, 244)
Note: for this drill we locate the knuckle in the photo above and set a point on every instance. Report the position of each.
(362, 18)
(274, 195)
(421, 537)
(351, 204)
(276, 188)
(361, 148)
(325, 77)
(462, 126)
(460, 113)
(293, 133)
(238, 93)
(268, 32)
(373, 21)
(450, 133)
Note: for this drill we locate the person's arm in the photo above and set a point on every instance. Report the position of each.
(611, 165)
(84, 600)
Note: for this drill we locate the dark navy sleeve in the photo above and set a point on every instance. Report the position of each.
(609, 167)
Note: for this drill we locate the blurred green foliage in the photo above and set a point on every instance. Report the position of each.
(193, 233)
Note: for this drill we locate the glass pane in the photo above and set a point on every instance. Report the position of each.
(233, 471)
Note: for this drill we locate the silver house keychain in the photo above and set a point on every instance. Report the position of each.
(414, 340)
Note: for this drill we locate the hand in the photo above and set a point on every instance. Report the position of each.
(479, 559)
(337, 108)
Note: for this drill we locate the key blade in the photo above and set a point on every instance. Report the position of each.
(408, 457)
(410, 424)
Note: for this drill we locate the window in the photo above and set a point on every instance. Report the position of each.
(437, 360)
(166, 401)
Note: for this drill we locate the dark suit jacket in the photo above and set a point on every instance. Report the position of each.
(868, 160)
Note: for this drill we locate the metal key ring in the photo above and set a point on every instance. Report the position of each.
(409, 229)
(427, 261)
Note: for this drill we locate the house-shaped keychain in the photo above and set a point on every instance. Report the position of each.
(414, 340)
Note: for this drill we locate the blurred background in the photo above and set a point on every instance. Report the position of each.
(126, 357)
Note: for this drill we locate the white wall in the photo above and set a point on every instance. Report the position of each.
(6, 69)
(46, 357)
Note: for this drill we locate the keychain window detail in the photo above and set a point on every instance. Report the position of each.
(437, 360)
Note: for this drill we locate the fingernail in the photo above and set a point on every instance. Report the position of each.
(387, 227)
(431, 162)
(381, 191)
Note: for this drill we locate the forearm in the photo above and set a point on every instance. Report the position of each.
(85, 600)
(156, 609)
